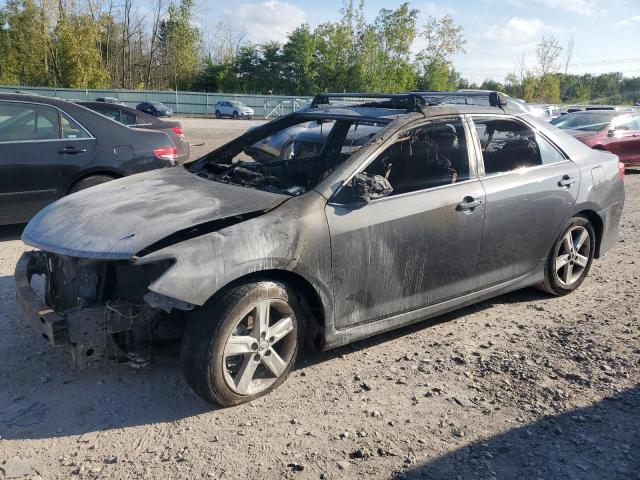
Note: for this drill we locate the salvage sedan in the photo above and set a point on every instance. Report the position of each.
(244, 260)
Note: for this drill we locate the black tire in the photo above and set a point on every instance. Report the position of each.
(552, 283)
(209, 328)
(235, 115)
(90, 181)
(218, 114)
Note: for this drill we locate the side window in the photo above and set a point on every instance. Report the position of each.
(623, 123)
(127, 118)
(507, 145)
(111, 113)
(425, 157)
(21, 121)
(71, 130)
(548, 152)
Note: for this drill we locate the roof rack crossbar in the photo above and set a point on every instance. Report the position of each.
(412, 102)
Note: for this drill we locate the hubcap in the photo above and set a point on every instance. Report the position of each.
(573, 256)
(260, 348)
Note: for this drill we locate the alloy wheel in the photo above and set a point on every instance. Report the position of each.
(261, 347)
(573, 255)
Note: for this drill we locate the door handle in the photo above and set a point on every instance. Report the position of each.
(566, 181)
(468, 204)
(71, 151)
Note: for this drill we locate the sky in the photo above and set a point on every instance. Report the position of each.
(606, 33)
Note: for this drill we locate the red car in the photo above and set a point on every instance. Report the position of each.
(616, 132)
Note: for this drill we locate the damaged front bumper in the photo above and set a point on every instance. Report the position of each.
(95, 308)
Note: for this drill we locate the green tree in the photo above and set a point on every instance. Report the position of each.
(444, 39)
(181, 44)
(77, 53)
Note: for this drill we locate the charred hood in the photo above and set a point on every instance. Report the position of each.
(119, 219)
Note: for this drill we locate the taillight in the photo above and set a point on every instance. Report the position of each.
(621, 168)
(168, 153)
(178, 131)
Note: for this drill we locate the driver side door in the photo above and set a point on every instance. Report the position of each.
(418, 246)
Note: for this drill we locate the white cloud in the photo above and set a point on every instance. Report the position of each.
(629, 21)
(436, 10)
(517, 31)
(581, 7)
(266, 21)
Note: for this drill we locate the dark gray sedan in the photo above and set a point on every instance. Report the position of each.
(50, 148)
(244, 259)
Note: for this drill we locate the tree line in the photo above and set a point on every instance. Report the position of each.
(99, 43)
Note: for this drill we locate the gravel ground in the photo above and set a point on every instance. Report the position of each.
(521, 386)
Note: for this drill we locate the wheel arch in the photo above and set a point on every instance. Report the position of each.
(308, 294)
(113, 173)
(598, 226)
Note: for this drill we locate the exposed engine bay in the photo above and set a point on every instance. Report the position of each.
(102, 309)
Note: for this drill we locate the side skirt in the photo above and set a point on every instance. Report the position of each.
(336, 338)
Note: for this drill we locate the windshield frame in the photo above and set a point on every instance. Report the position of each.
(233, 148)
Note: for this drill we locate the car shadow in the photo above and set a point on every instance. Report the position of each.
(43, 396)
(11, 232)
(597, 442)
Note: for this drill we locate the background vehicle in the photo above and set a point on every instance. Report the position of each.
(50, 148)
(109, 100)
(233, 110)
(608, 130)
(156, 109)
(244, 259)
(135, 118)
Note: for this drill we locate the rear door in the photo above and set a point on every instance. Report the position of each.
(420, 245)
(530, 186)
(40, 149)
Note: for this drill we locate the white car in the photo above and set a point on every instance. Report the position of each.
(233, 110)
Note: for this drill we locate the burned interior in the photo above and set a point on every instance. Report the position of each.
(315, 146)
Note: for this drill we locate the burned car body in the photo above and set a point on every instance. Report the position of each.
(245, 259)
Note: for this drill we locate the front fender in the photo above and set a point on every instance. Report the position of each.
(293, 237)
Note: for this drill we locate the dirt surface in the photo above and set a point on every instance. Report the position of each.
(522, 386)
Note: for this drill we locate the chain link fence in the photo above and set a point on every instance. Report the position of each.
(190, 103)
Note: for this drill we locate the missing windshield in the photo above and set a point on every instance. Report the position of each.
(290, 160)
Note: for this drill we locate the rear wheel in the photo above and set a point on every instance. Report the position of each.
(218, 114)
(90, 181)
(571, 258)
(242, 344)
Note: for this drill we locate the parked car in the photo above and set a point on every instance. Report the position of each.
(135, 118)
(550, 112)
(233, 110)
(109, 100)
(615, 132)
(245, 260)
(156, 109)
(50, 148)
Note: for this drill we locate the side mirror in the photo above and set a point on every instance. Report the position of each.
(365, 187)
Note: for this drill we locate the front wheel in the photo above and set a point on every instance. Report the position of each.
(243, 343)
(218, 114)
(570, 258)
(235, 115)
